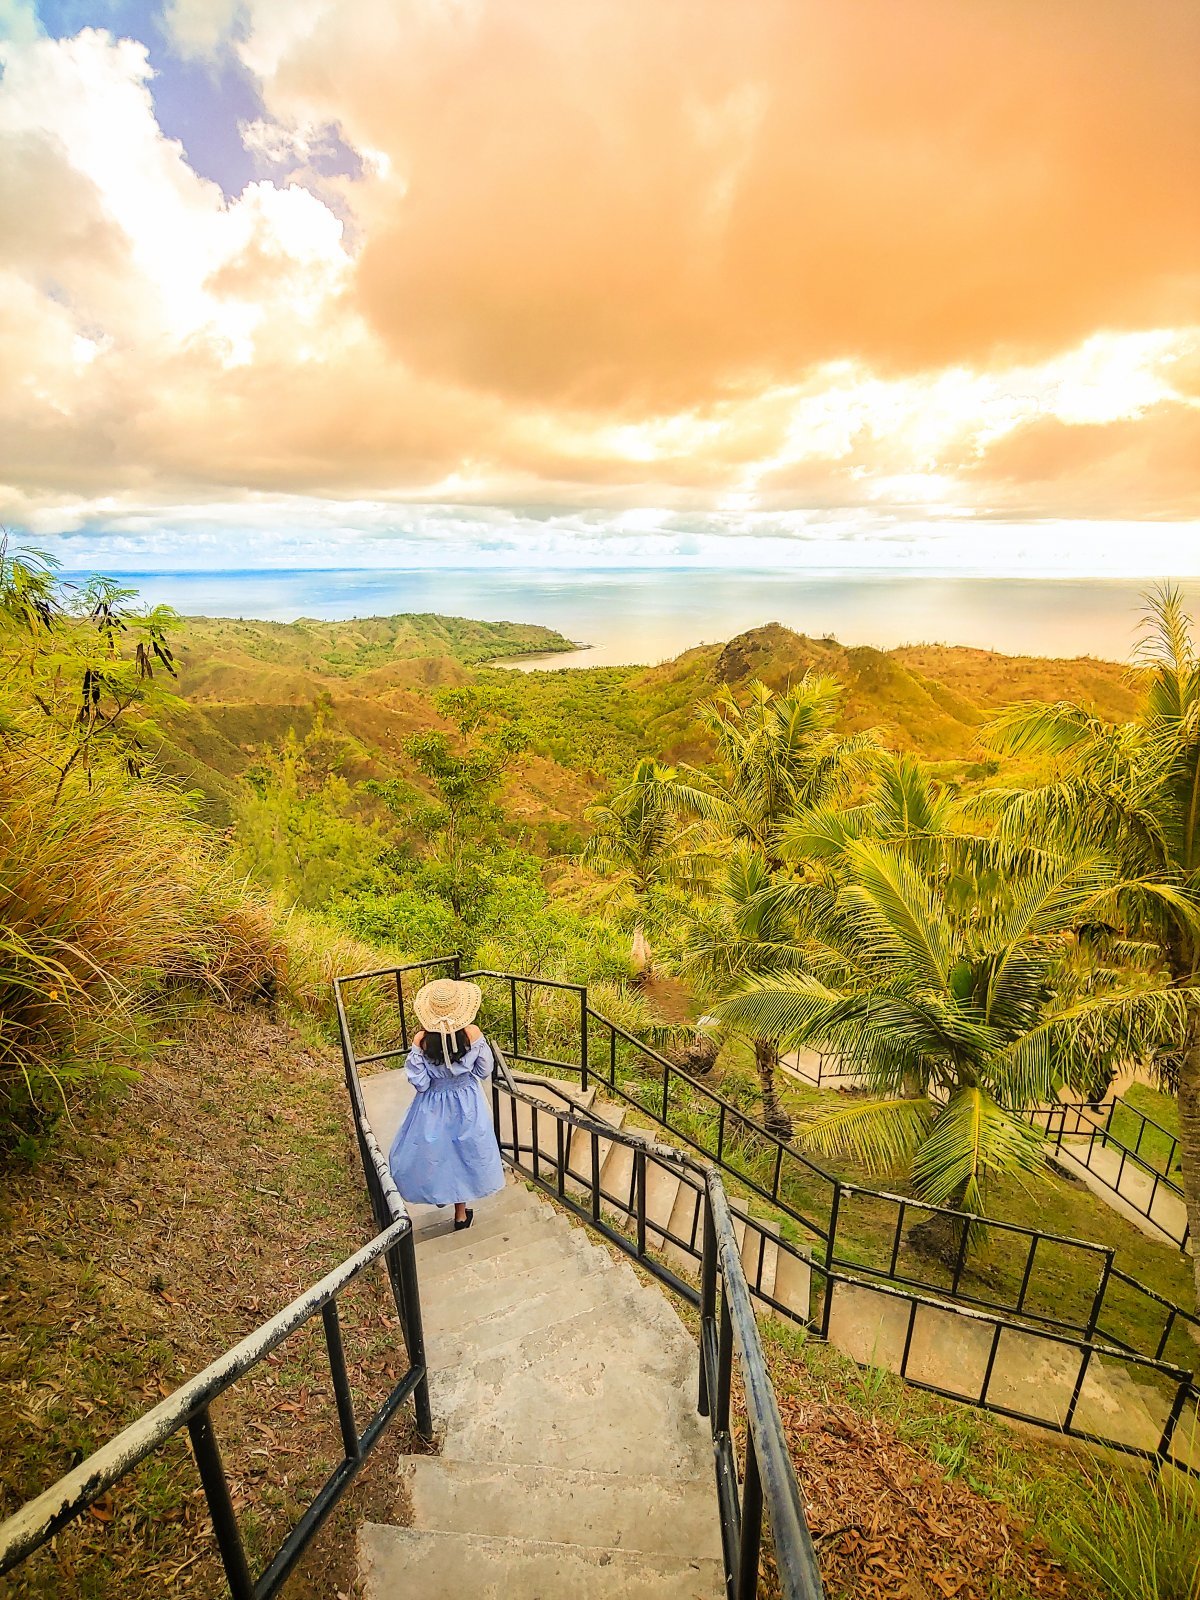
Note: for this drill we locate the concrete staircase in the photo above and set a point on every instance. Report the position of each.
(573, 1461)
(673, 1207)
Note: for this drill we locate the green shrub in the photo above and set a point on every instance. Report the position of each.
(1137, 1539)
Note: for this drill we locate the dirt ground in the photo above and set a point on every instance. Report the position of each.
(156, 1233)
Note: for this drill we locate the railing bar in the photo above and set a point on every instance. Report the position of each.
(220, 1505)
(343, 1398)
(750, 1539)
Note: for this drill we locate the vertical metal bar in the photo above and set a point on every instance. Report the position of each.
(403, 1012)
(535, 1135)
(708, 1293)
(220, 1506)
(778, 1170)
(560, 1127)
(896, 1240)
(1166, 1333)
(751, 1531)
(512, 995)
(414, 1333)
(991, 1362)
(595, 1177)
(962, 1256)
(456, 963)
(666, 1089)
(583, 1038)
(720, 1133)
(351, 1443)
(1078, 1389)
(1168, 1433)
(639, 1177)
(1098, 1297)
(834, 1208)
(908, 1336)
(612, 1058)
(1033, 1244)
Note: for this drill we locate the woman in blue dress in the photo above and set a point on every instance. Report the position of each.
(446, 1152)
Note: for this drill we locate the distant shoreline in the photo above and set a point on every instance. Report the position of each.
(643, 616)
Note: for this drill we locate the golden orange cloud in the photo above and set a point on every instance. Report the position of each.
(932, 258)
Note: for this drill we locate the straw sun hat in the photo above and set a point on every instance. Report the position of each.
(447, 1005)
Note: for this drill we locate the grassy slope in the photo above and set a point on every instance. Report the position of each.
(244, 684)
(159, 1231)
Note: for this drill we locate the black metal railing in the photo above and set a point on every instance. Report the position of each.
(1144, 1150)
(189, 1407)
(728, 1329)
(1097, 1328)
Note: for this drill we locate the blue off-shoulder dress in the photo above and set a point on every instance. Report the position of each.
(446, 1148)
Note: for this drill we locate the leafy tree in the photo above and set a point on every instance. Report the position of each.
(639, 840)
(960, 998)
(462, 825)
(1133, 790)
(778, 754)
(741, 930)
(78, 668)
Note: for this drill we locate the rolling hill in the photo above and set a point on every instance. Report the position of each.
(244, 685)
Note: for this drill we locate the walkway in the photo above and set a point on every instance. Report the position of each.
(573, 1460)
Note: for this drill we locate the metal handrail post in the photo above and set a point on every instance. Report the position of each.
(751, 1531)
(220, 1505)
(708, 1299)
(583, 1038)
(414, 1333)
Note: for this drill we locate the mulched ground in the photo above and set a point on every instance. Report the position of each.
(890, 1526)
(160, 1230)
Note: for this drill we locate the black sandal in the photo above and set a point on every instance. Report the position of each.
(466, 1221)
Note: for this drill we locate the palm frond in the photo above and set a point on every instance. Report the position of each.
(899, 912)
(883, 1135)
(972, 1139)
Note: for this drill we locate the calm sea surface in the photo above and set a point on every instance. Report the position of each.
(639, 615)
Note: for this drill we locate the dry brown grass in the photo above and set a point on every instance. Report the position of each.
(154, 1235)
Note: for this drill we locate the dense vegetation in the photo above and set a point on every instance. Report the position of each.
(866, 853)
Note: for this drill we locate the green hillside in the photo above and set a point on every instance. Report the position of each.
(244, 686)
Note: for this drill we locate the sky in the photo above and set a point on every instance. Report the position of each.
(510, 282)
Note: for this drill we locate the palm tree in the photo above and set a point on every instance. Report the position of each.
(736, 932)
(638, 839)
(958, 1007)
(1134, 790)
(779, 754)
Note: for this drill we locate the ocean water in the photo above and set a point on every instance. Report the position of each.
(649, 615)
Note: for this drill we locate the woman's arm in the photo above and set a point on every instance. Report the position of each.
(417, 1069)
(482, 1064)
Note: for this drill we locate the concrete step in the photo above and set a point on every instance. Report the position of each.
(662, 1187)
(547, 1124)
(495, 1321)
(664, 1516)
(437, 1222)
(486, 1236)
(579, 1151)
(793, 1283)
(616, 1180)
(564, 1262)
(553, 1257)
(612, 1390)
(449, 1566)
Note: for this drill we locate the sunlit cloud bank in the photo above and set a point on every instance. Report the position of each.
(785, 284)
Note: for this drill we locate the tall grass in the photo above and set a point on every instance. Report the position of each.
(1137, 1539)
(111, 900)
